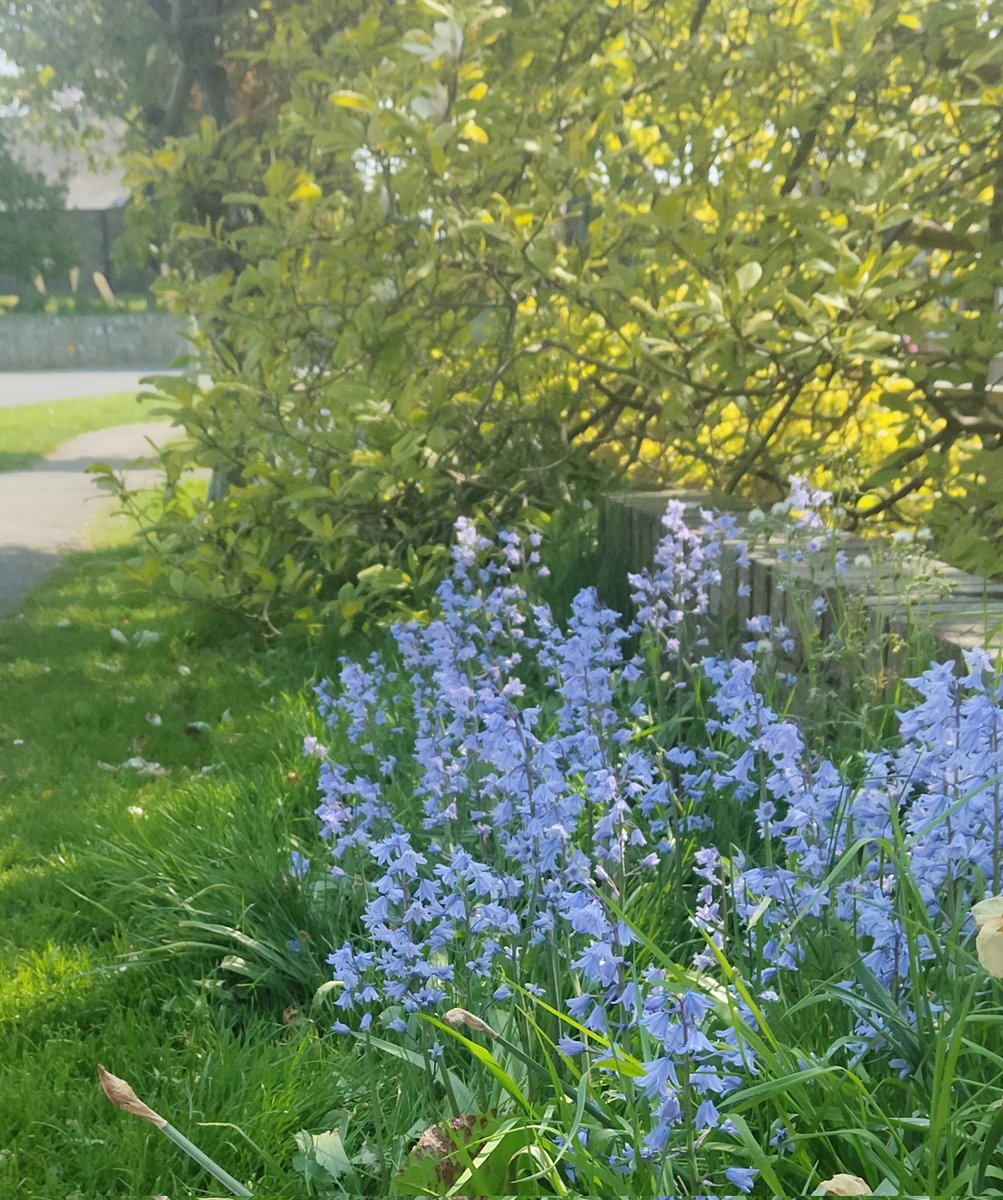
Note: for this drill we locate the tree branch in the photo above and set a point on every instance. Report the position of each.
(749, 457)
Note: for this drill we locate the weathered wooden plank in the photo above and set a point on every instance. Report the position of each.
(897, 590)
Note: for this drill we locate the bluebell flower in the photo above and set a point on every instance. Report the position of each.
(542, 803)
(744, 1178)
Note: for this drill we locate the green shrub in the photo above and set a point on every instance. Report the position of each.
(469, 257)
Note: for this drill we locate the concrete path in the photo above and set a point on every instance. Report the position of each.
(48, 510)
(40, 387)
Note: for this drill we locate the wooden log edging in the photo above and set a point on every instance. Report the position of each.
(898, 590)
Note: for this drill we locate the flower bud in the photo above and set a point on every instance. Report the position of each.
(120, 1093)
(456, 1018)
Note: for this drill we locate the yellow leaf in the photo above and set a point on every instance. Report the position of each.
(474, 133)
(307, 190)
(352, 100)
(909, 20)
(46, 76)
(478, 91)
(165, 159)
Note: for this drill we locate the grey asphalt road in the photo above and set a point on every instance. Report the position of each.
(41, 387)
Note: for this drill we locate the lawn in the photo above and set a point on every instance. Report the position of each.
(29, 432)
(171, 764)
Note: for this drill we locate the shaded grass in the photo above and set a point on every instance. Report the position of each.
(31, 431)
(99, 865)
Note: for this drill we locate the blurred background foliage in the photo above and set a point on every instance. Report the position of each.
(472, 257)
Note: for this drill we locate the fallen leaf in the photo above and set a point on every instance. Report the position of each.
(844, 1185)
(140, 765)
(989, 909)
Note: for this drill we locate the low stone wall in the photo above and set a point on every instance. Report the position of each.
(63, 343)
(898, 591)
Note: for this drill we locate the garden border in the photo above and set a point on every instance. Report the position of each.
(899, 592)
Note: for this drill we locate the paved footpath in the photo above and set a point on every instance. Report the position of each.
(48, 510)
(40, 387)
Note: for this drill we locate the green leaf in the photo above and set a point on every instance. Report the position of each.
(486, 1057)
(748, 275)
(328, 1152)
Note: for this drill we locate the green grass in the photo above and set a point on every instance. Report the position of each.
(31, 431)
(100, 862)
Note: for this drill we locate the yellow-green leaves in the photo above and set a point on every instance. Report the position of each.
(561, 246)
